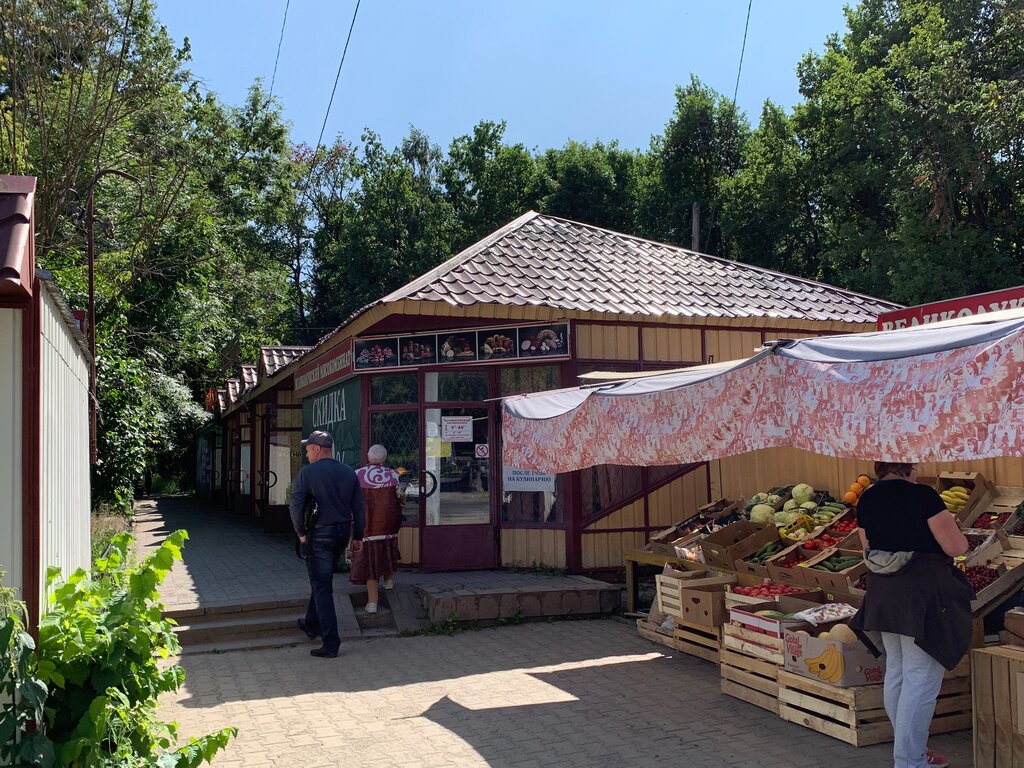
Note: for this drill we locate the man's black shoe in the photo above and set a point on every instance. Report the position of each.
(301, 624)
(323, 653)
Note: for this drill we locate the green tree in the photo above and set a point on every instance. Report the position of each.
(487, 182)
(912, 125)
(700, 149)
(595, 184)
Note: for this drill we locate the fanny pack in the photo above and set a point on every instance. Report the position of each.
(880, 561)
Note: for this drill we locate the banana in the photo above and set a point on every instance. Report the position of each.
(828, 666)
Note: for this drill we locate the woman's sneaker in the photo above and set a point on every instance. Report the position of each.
(935, 760)
(388, 584)
(371, 607)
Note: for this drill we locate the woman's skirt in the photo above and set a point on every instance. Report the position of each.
(375, 560)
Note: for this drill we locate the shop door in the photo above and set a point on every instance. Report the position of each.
(282, 460)
(459, 531)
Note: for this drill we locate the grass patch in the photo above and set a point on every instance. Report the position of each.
(104, 524)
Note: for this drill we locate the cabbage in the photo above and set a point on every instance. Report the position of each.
(802, 492)
(791, 504)
(785, 518)
(761, 513)
(808, 505)
(773, 499)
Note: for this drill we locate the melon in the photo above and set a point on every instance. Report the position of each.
(843, 634)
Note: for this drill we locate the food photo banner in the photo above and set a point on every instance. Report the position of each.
(921, 394)
(483, 345)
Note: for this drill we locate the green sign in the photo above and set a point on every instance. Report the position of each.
(336, 410)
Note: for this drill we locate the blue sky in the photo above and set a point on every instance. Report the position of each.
(553, 69)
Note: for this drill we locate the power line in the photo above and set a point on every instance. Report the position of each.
(336, 77)
(742, 50)
(279, 41)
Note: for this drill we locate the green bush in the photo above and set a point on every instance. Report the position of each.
(88, 697)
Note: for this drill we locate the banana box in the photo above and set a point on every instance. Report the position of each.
(832, 654)
(966, 494)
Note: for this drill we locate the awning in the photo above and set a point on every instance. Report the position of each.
(943, 392)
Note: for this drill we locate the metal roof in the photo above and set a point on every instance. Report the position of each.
(546, 261)
(273, 359)
(249, 377)
(16, 201)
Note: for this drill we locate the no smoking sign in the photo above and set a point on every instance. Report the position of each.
(482, 450)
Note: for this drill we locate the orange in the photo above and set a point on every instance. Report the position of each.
(864, 480)
(850, 497)
(857, 488)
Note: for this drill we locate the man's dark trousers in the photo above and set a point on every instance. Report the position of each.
(324, 545)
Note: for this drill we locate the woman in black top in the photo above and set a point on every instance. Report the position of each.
(916, 599)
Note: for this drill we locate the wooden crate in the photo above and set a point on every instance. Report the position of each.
(998, 689)
(750, 679)
(698, 640)
(655, 633)
(755, 644)
(857, 715)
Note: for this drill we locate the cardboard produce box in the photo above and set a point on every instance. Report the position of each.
(671, 588)
(839, 663)
(746, 616)
(836, 582)
(797, 575)
(663, 542)
(735, 541)
(704, 604)
(983, 493)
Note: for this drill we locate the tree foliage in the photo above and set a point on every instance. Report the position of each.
(897, 175)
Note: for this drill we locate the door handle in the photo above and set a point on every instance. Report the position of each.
(272, 484)
(433, 483)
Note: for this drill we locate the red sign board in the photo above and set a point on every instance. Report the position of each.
(965, 306)
(326, 369)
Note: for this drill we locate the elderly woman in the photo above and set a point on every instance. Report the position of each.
(916, 598)
(376, 558)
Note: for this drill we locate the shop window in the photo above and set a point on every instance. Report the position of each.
(394, 389)
(399, 432)
(544, 507)
(456, 386)
(607, 486)
(529, 378)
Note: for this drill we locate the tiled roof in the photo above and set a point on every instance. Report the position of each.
(276, 358)
(234, 389)
(222, 400)
(546, 261)
(249, 377)
(16, 200)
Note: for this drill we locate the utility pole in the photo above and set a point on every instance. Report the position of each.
(90, 246)
(695, 227)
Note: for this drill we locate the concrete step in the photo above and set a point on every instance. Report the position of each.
(270, 640)
(237, 626)
(237, 613)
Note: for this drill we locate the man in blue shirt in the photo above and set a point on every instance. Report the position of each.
(335, 488)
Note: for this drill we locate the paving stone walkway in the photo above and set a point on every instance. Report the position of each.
(581, 694)
(586, 694)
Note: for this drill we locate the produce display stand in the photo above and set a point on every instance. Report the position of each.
(698, 640)
(857, 715)
(998, 694)
(749, 678)
(636, 557)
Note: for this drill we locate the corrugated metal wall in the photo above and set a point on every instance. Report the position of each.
(64, 446)
(10, 444)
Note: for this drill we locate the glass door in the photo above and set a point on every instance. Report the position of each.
(282, 460)
(459, 530)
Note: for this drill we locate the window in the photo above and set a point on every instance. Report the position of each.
(530, 378)
(394, 389)
(456, 386)
(535, 506)
(399, 432)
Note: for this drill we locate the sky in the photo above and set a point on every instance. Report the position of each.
(554, 70)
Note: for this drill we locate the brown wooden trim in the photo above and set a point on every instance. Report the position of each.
(563, 526)
(687, 469)
(641, 529)
(31, 488)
